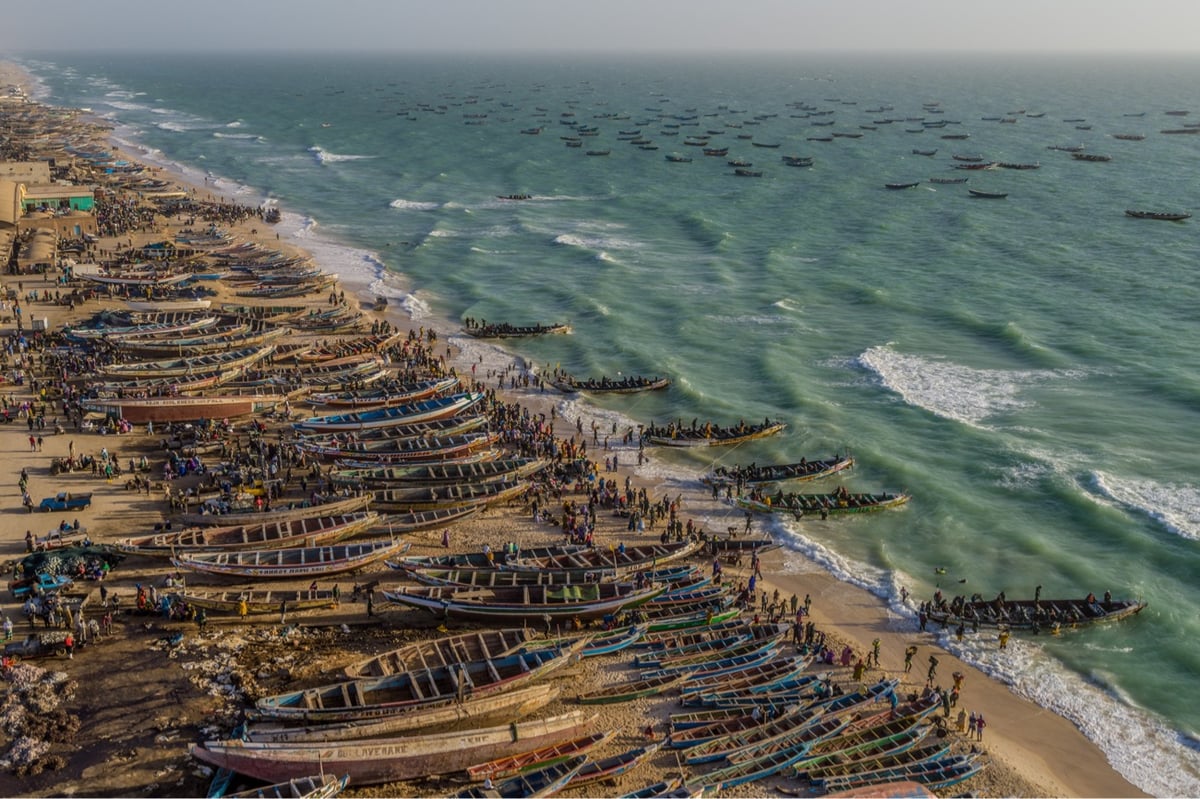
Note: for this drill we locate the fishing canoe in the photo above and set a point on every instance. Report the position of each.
(182, 409)
(436, 408)
(595, 559)
(749, 771)
(495, 578)
(383, 397)
(801, 471)
(119, 332)
(545, 781)
(709, 436)
(627, 385)
(690, 621)
(833, 503)
(1050, 615)
(731, 725)
(443, 651)
(425, 519)
(611, 767)
(168, 306)
(446, 496)
(259, 601)
(939, 772)
(442, 716)
(505, 330)
(314, 531)
(477, 560)
(332, 508)
(850, 765)
(295, 562)
(408, 691)
(363, 439)
(537, 758)
(381, 760)
(409, 450)
(176, 367)
(435, 474)
(526, 604)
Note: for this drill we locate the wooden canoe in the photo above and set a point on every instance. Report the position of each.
(630, 558)
(443, 716)
(438, 474)
(259, 601)
(297, 562)
(707, 436)
(832, 503)
(801, 471)
(314, 531)
(436, 408)
(527, 604)
(614, 766)
(1050, 615)
(382, 398)
(381, 760)
(547, 780)
(405, 691)
(447, 496)
(444, 651)
(332, 508)
(536, 758)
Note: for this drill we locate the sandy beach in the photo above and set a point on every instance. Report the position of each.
(141, 699)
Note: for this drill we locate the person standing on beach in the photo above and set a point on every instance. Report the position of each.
(933, 664)
(979, 725)
(243, 608)
(1004, 637)
(873, 661)
(908, 657)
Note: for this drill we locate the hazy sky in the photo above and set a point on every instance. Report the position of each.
(603, 25)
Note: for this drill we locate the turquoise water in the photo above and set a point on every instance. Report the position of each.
(1025, 367)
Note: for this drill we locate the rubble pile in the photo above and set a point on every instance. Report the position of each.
(33, 719)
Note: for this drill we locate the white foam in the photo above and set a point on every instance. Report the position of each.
(595, 241)
(413, 205)
(219, 135)
(949, 390)
(1176, 507)
(1141, 747)
(325, 157)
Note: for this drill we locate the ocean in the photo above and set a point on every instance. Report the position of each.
(1026, 367)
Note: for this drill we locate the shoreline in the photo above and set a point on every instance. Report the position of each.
(1054, 754)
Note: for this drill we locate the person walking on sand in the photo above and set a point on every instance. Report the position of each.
(908, 657)
(1003, 637)
(243, 608)
(933, 664)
